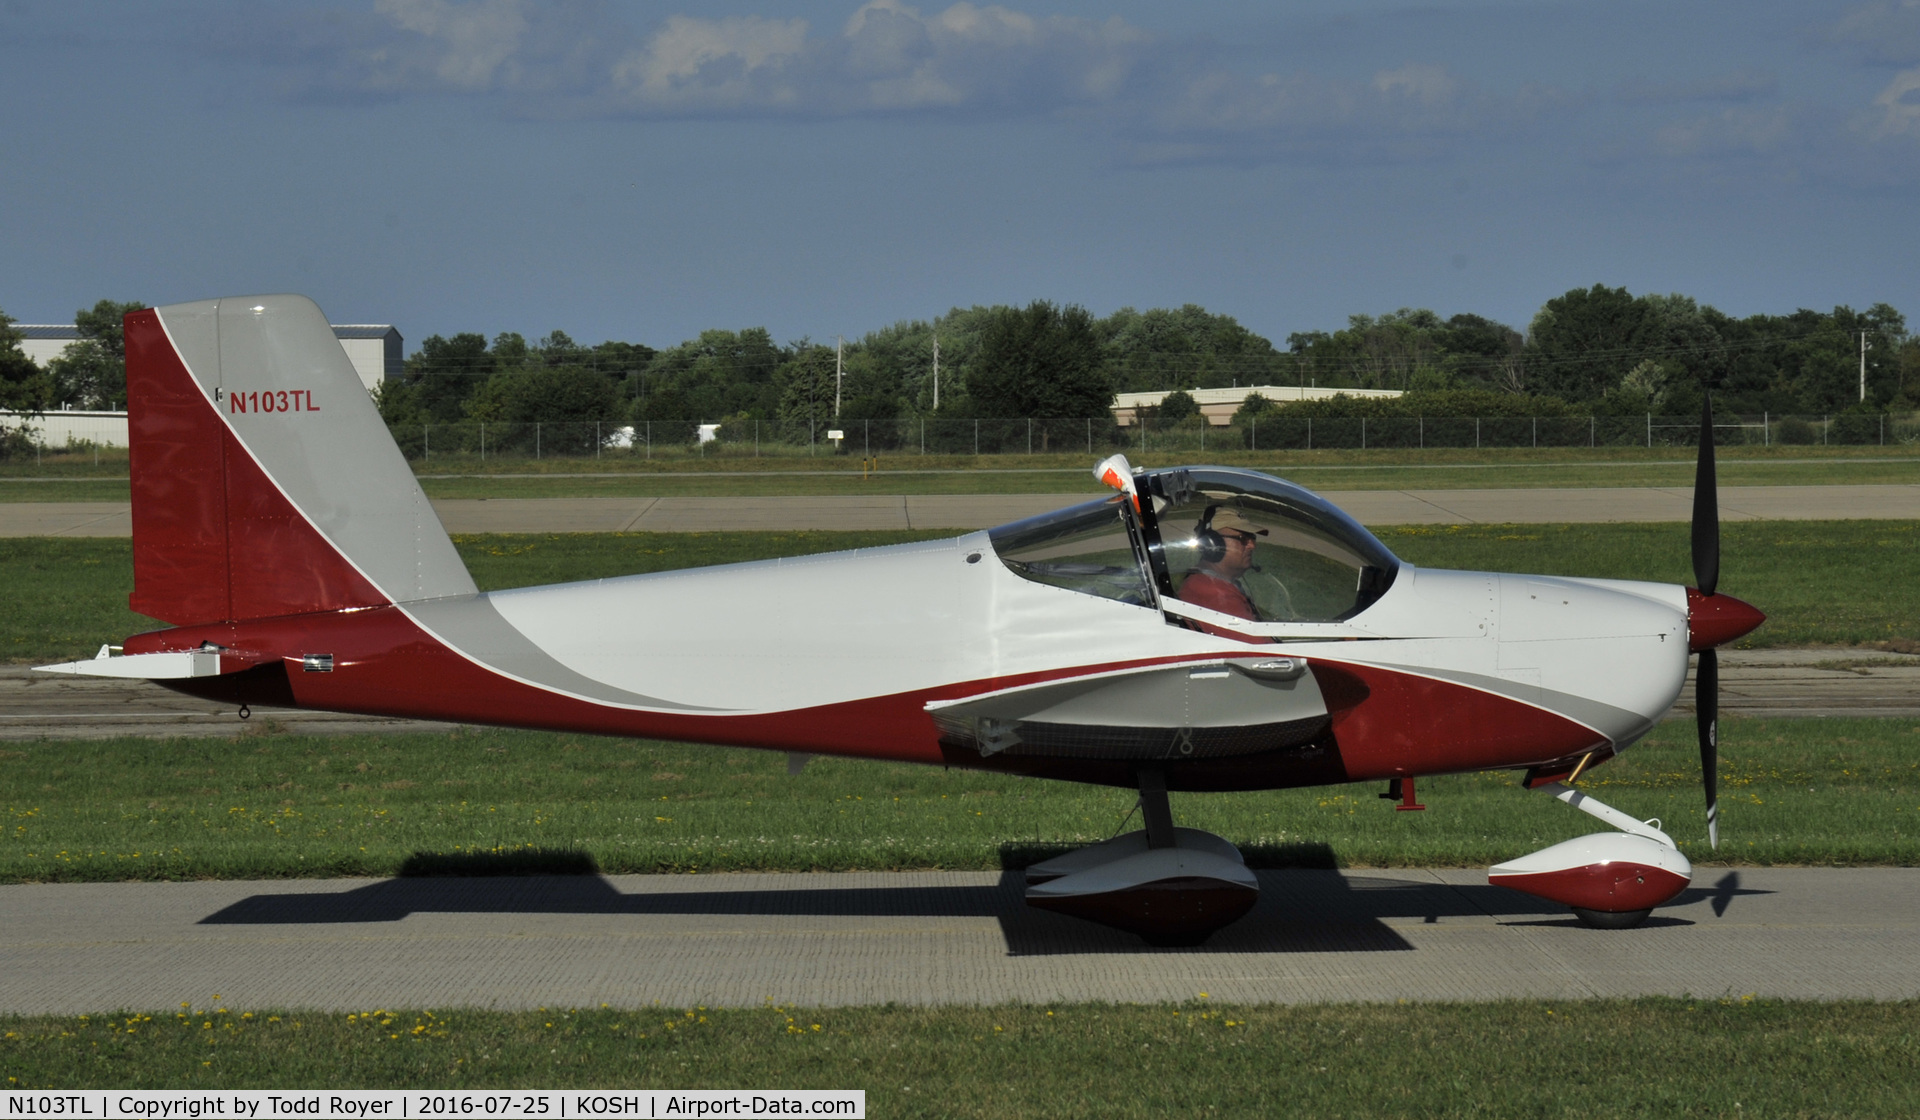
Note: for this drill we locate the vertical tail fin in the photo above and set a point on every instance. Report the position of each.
(264, 482)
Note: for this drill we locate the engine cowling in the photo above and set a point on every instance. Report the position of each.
(1609, 872)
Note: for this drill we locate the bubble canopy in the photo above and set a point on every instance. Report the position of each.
(1296, 556)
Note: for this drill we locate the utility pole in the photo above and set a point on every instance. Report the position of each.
(936, 373)
(837, 342)
(1864, 347)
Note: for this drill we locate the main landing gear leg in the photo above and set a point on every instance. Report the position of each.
(1172, 886)
(1155, 810)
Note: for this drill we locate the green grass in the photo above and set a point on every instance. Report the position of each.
(1053, 474)
(267, 805)
(733, 473)
(1730, 1056)
(1819, 581)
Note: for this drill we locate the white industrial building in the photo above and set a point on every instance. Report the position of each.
(1219, 405)
(373, 348)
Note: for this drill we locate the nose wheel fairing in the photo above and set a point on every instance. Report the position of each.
(1612, 880)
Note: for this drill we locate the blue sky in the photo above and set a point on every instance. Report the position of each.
(642, 171)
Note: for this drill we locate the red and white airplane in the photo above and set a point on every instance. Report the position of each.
(282, 535)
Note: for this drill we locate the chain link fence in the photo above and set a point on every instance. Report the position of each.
(1099, 436)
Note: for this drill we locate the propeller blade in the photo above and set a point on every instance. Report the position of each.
(1706, 706)
(1706, 507)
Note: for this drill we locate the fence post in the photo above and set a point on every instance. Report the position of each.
(426, 439)
(536, 439)
(483, 441)
(976, 439)
(809, 437)
(1883, 431)
(596, 439)
(1309, 433)
(1029, 435)
(1766, 429)
(866, 437)
(1423, 433)
(1089, 435)
(1826, 426)
(923, 435)
(1203, 433)
(1590, 433)
(1363, 433)
(1649, 429)
(1253, 433)
(756, 438)
(1476, 433)
(649, 424)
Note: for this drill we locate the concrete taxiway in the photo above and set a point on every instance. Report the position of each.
(976, 511)
(926, 938)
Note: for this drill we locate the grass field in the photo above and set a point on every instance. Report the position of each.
(267, 805)
(1728, 1056)
(78, 478)
(1825, 581)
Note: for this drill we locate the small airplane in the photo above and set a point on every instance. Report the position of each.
(1199, 629)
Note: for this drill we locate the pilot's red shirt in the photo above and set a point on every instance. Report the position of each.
(1203, 589)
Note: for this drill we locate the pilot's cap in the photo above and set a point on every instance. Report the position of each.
(1231, 519)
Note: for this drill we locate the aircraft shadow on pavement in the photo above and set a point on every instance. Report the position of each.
(1300, 910)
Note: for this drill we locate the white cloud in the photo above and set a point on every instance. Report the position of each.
(1730, 132)
(1898, 108)
(1417, 110)
(479, 39)
(705, 65)
(887, 58)
(1740, 85)
(1887, 31)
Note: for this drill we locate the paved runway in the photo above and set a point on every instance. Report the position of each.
(975, 511)
(1752, 682)
(925, 938)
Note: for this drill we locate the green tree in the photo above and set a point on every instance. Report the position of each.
(445, 372)
(1159, 349)
(1040, 361)
(1179, 405)
(92, 372)
(666, 417)
(721, 373)
(805, 385)
(24, 387)
(569, 404)
(1582, 344)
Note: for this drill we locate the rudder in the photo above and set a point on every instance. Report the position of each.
(264, 481)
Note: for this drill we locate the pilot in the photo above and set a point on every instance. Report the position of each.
(1226, 541)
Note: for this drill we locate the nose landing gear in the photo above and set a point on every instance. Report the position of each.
(1611, 880)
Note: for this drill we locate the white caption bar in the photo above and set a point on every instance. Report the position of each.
(366, 1104)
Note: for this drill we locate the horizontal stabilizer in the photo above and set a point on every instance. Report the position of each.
(169, 666)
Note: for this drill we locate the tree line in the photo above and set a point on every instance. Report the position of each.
(1595, 350)
(1598, 350)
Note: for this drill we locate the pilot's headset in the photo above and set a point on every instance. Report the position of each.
(1213, 546)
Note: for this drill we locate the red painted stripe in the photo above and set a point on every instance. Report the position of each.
(1611, 886)
(1385, 723)
(214, 538)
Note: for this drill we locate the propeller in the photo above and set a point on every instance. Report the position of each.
(1706, 577)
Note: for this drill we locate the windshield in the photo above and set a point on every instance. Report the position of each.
(1087, 548)
(1256, 547)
